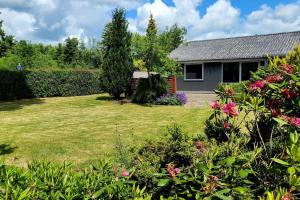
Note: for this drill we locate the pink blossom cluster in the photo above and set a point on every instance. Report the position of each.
(295, 121)
(172, 171)
(260, 84)
(229, 108)
(289, 94)
(273, 78)
(288, 68)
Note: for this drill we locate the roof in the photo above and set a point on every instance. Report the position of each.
(247, 47)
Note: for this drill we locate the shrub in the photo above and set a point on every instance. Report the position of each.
(176, 147)
(146, 94)
(44, 180)
(30, 84)
(171, 99)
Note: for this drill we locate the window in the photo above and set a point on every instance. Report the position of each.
(194, 72)
(231, 72)
(247, 68)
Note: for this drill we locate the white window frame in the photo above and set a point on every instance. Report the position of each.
(202, 79)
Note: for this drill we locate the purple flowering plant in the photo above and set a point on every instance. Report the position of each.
(171, 99)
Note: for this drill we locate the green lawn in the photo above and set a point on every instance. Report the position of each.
(82, 129)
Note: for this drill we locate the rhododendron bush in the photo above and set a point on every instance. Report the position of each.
(267, 111)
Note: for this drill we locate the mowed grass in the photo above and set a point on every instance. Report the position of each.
(83, 129)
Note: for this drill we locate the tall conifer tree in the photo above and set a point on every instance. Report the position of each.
(117, 59)
(151, 49)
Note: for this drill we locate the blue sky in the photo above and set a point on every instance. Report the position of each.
(51, 21)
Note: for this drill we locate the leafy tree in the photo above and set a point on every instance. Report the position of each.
(71, 50)
(6, 41)
(151, 54)
(165, 42)
(172, 38)
(117, 59)
(59, 54)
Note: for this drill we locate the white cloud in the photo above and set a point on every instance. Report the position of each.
(20, 24)
(219, 20)
(39, 5)
(184, 13)
(54, 20)
(270, 20)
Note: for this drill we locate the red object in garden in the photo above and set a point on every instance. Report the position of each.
(230, 109)
(125, 173)
(172, 84)
(289, 94)
(215, 105)
(172, 170)
(257, 85)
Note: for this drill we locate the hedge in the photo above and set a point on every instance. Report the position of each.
(30, 84)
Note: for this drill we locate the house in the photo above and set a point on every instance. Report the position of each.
(206, 63)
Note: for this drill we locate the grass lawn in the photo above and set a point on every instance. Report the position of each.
(82, 129)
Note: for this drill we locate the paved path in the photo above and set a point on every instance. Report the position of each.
(199, 100)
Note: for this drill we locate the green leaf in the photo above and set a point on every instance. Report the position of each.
(272, 86)
(280, 121)
(280, 162)
(98, 193)
(241, 190)
(291, 170)
(24, 194)
(222, 197)
(229, 161)
(163, 182)
(243, 173)
(294, 137)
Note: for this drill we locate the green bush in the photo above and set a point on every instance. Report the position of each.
(30, 84)
(43, 180)
(145, 94)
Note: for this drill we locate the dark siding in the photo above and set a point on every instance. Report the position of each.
(212, 77)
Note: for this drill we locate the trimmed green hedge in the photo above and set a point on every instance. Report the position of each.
(30, 84)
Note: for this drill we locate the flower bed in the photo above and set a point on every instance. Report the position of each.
(171, 99)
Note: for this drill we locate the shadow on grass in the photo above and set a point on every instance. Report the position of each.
(104, 98)
(6, 149)
(18, 104)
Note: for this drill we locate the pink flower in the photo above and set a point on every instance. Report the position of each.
(275, 112)
(125, 173)
(172, 170)
(230, 109)
(288, 68)
(257, 85)
(273, 78)
(295, 121)
(177, 170)
(289, 94)
(215, 105)
(227, 126)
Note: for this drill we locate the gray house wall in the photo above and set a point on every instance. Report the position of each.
(211, 79)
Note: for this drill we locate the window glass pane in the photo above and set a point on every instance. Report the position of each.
(193, 71)
(262, 63)
(231, 72)
(247, 68)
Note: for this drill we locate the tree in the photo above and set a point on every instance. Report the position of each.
(172, 38)
(71, 50)
(151, 56)
(6, 41)
(117, 59)
(59, 55)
